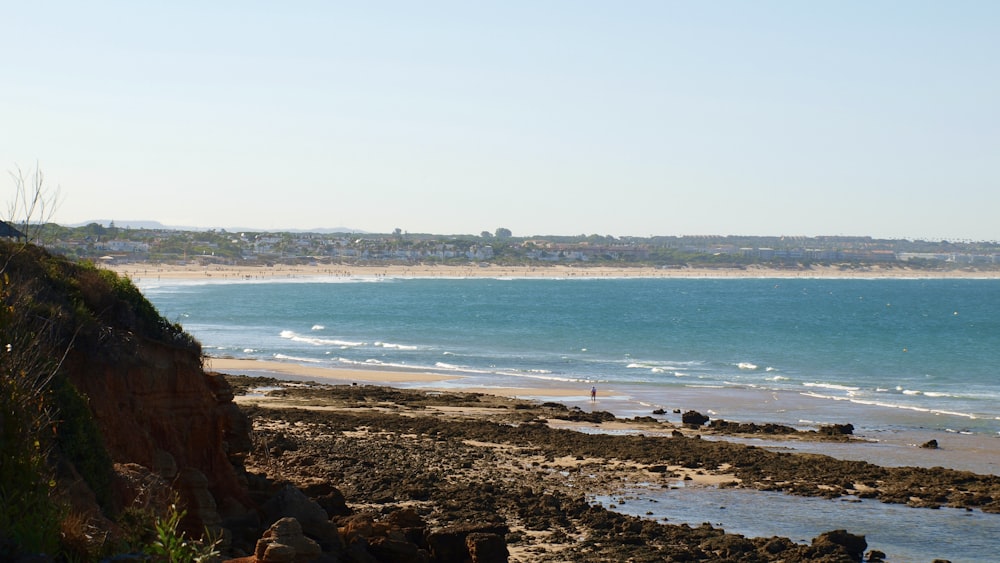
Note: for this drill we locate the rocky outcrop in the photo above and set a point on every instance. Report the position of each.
(693, 418)
(129, 390)
(157, 408)
(284, 542)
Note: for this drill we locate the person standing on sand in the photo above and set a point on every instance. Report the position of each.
(593, 394)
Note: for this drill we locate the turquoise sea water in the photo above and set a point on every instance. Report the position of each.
(908, 347)
(894, 357)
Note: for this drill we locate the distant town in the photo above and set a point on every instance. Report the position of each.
(122, 244)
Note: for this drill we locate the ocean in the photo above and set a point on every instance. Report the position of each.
(901, 359)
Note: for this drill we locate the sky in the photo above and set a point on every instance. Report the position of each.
(630, 118)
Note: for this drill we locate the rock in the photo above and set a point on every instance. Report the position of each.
(659, 412)
(406, 518)
(202, 510)
(357, 526)
(836, 430)
(724, 426)
(397, 551)
(486, 548)
(449, 544)
(164, 464)
(837, 540)
(310, 516)
(876, 556)
(694, 418)
(930, 445)
(284, 542)
(328, 497)
(157, 408)
(357, 552)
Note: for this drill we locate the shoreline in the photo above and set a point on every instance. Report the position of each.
(140, 271)
(413, 379)
(876, 444)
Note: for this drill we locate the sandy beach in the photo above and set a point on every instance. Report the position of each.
(151, 271)
(410, 379)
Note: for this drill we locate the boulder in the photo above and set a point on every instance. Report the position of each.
(310, 516)
(486, 548)
(449, 544)
(397, 551)
(694, 418)
(930, 445)
(284, 542)
(836, 430)
(841, 540)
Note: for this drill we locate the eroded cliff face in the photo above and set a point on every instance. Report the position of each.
(158, 409)
(157, 412)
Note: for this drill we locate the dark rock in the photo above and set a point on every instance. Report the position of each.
(405, 518)
(727, 427)
(930, 445)
(449, 544)
(840, 540)
(659, 412)
(291, 502)
(694, 418)
(836, 430)
(396, 551)
(486, 548)
(875, 556)
(576, 414)
(285, 542)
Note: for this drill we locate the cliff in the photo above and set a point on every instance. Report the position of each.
(128, 396)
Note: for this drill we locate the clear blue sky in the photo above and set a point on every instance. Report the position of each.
(568, 117)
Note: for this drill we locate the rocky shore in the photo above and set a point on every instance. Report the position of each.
(414, 476)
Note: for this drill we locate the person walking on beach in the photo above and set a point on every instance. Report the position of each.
(593, 394)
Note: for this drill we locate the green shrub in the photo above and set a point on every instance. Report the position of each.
(172, 546)
(80, 441)
(29, 516)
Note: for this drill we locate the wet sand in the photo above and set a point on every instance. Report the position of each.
(877, 441)
(519, 469)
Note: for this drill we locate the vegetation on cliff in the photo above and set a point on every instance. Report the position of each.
(49, 308)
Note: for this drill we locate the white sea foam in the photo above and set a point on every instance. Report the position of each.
(831, 386)
(885, 404)
(295, 359)
(295, 337)
(540, 377)
(746, 366)
(318, 327)
(395, 346)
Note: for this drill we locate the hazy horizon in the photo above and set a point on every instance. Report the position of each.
(664, 118)
(153, 224)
